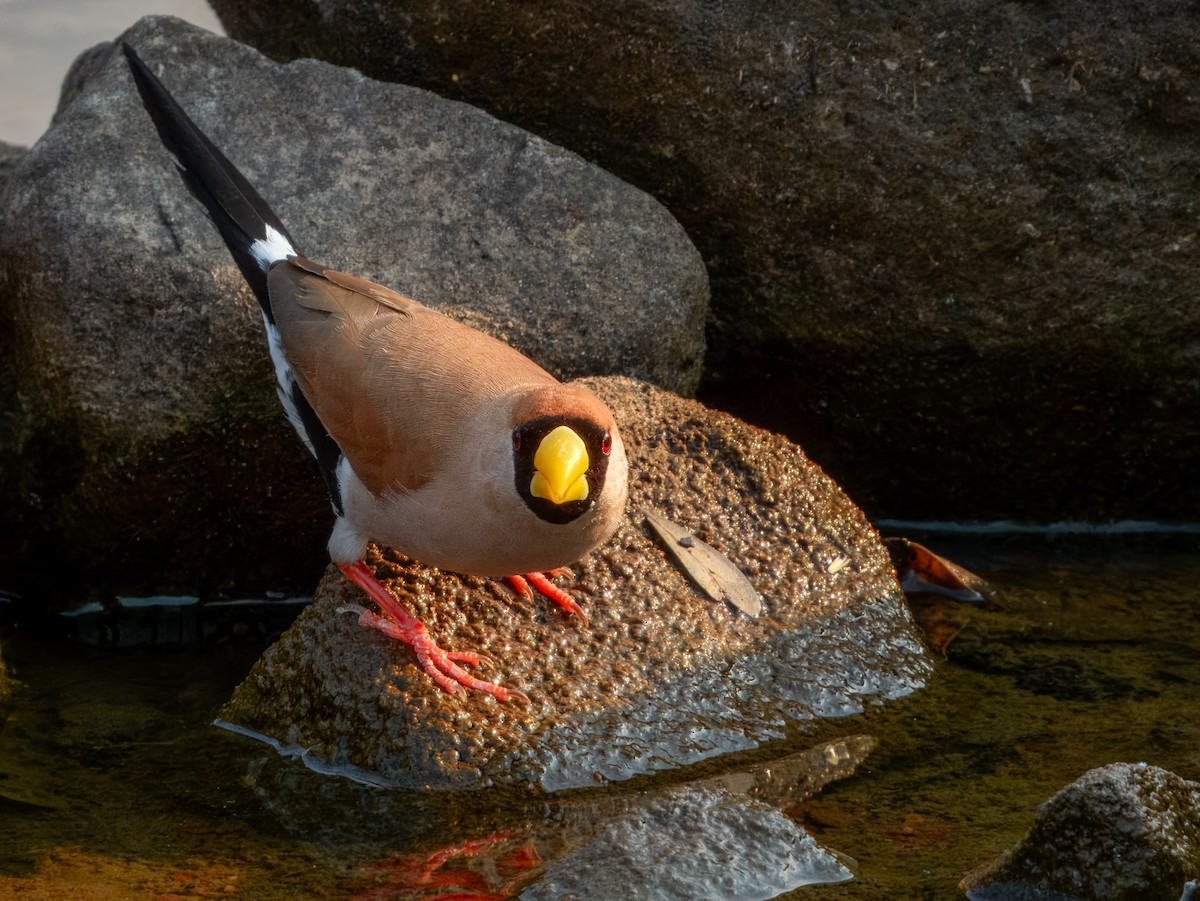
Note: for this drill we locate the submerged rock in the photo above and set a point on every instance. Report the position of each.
(143, 397)
(665, 676)
(960, 239)
(1122, 832)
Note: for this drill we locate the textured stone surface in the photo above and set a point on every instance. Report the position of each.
(144, 432)
(1123, 832)
(662, 678)
(952, 247)
(10, 155)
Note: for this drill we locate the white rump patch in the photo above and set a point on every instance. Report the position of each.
(271, 249)
(285, 382)
(346, 543)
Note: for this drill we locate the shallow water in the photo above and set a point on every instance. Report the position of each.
(114, 784)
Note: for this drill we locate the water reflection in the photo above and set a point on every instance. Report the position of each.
(110, 770)
(728, 833)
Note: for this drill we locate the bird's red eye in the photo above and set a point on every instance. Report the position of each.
(516, 439)
(606, 443)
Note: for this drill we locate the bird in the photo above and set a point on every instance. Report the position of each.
(432, 437)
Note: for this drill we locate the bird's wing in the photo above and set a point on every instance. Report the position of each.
(399, 386)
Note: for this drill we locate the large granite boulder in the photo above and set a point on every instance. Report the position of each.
(143, 430)
(1122, 832)
(665, 676)
(10, 155)
(952, 247)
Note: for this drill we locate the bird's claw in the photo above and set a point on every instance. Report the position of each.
(441, 666)
(525, 585)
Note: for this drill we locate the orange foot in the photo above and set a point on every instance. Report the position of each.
(441, 666)
(541, 582)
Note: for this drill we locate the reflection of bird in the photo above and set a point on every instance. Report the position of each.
(432, 437)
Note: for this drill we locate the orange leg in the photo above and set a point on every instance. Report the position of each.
(541, 582)
(441, 666)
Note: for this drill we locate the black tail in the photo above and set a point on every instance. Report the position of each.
(240, 215)
(255, 237)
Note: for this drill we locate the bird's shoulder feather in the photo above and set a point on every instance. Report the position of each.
(397, 385)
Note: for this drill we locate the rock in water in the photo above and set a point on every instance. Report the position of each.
(1122, 832)
(665, 676)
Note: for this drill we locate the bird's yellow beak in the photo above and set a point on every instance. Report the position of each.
(560, 467)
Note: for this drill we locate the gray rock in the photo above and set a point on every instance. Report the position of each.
(664, 677)
(952, 248)
(146, 437)
(1122, 832)
(86, 66)
(10, 155)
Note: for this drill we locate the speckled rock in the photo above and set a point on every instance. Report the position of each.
(144, 398)
(664, 677)
(1123, 832)
(959, 239)
(10, 155)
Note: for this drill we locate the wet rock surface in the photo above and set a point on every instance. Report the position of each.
(664, 676)
(1123, 832)
(142, 397)
(959, 241)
